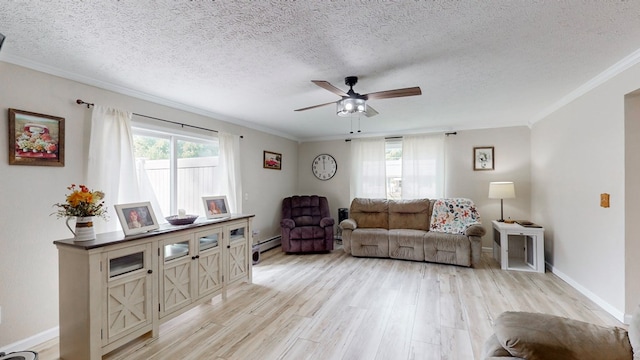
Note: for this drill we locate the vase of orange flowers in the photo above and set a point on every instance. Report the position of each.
(83, 205)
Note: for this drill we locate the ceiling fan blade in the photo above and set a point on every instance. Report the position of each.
(394, 93)
(370, 111)
(325, 85)
(315, 106)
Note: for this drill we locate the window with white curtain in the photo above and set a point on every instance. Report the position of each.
(422, 166)
(408, 167)
(368, 168)
(178, 168)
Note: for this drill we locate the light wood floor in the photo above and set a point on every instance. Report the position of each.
(334, 306)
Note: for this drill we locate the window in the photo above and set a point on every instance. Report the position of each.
(393, 161)
(179, 169)
(408, 167)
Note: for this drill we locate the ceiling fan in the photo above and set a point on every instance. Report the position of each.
(352, 102)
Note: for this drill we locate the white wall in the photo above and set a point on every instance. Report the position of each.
(263, 188)
(512, 154)
(28, 258)
(560, 167)
(632, 195)
(335, 189)
(579, 153)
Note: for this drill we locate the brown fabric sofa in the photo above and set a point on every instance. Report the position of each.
(400, 229)
(534, 336)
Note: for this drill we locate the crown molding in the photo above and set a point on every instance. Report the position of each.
(617, 68)
(138, 94)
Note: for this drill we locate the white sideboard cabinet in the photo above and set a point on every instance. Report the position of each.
(114, 289)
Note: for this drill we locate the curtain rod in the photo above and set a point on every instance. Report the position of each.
(80, 102)
(400, 136)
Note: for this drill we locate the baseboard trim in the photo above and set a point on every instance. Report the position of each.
(37, 339)
(620, 316)
(486, 249)
(269, 244)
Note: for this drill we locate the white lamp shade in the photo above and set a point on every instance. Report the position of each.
(502, 190)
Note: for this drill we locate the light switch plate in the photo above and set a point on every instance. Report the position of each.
(604, 200)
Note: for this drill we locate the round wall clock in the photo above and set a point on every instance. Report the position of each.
(324, 166)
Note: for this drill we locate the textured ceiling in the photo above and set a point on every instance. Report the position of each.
(479, 63)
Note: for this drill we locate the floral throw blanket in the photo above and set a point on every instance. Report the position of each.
(453, 216)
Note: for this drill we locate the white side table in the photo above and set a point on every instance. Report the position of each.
(517, 247)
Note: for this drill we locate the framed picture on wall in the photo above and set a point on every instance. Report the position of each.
(272, 160)
(136, 218)
(483, 158)
(35, 139)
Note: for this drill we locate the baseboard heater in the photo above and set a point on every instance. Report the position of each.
(269, 244)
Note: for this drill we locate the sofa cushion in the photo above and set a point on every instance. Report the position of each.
(370, 213)
(306, 233)
(535, 336)
(370, 242)
(409, 214)
(447, 248)
(454, 215)
(406, 244)
(306, 210)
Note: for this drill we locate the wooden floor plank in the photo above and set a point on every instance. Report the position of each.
(335, 306)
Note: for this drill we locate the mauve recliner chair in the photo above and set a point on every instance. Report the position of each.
(306, 224)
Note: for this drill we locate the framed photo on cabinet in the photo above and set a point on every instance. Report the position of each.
(136, 218)
(215, 206)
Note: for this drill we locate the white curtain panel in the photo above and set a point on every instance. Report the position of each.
(368, 168)
(111, 167)
(423, 166)
(146, 192)
(230, 170)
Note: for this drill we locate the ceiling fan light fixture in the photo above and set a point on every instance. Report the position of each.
(349, 106)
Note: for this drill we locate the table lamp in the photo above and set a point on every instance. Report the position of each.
(502, 190)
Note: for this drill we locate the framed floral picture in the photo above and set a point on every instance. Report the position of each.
(483, 158)
(35, 139)
(136, 218)
(272, 160)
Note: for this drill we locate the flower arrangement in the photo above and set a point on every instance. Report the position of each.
(82, 202)
(36, 139)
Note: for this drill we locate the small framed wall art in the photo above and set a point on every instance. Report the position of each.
(483, 158)
(136, 218)
(215, 206)
(272, 160)
(35, 139)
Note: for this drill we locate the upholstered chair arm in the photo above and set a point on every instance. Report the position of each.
(475, 230)
(493, 350)
(287, 223)
(545, 336)
(348, 224)
(324, 222)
